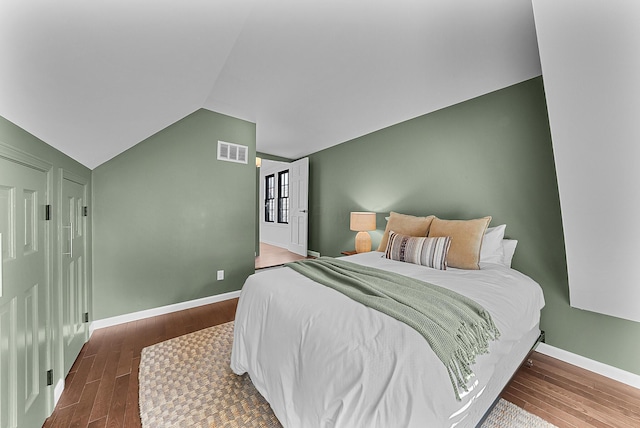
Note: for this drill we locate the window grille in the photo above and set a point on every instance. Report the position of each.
(283, 197)
(270, 198)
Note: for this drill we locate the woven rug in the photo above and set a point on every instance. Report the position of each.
(187, 382)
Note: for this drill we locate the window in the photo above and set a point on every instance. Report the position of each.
(276, 198)
(270, 198)
(283, 197)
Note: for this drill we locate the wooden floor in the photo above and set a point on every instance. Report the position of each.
(568, 396)
(102, 387)
(270, 255)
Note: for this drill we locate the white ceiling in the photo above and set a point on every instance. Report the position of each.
(93, 78)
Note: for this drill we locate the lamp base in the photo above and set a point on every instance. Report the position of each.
(363, 242)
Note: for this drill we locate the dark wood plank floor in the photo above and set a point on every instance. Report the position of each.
(102, 386)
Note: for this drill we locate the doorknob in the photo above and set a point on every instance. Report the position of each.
(303, 211)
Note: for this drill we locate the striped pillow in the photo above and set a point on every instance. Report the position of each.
(431, 252)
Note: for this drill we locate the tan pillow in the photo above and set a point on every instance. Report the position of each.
(405, 225)
(466, 240)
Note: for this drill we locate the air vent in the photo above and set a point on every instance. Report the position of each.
(232, 152)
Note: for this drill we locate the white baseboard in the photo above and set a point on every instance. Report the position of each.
(57, 391)
(614, 373)
(121, 319)
(282, 245)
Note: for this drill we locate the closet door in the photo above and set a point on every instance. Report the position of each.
(24, 294)
(73, 266)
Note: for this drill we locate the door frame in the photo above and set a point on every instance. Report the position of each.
(275, 167)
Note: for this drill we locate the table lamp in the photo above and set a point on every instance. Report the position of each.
(362, 222)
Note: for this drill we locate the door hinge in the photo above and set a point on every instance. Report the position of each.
(85, 211)
(50, 377)
(47, 212)
(85, 317)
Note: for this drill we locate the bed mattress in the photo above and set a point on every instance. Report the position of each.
(323, 360)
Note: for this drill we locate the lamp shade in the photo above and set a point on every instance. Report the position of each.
(362, 221)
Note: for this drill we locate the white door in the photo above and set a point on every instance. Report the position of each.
(24, 294)
(73, 266)
(299, 211)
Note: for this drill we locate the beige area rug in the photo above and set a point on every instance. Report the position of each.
(187, 382)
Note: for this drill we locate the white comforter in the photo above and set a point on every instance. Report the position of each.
(323, 360)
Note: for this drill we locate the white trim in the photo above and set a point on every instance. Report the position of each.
(134, 316)
(57, 391)
(275, 244)
(611, 372)
(18, 156)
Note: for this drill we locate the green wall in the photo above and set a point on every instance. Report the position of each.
(16, 137)
(168, 215)
(488, 156)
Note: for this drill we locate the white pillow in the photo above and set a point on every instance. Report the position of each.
(509, 247)
(491, 250)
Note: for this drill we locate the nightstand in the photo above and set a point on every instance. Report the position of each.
(349, 253)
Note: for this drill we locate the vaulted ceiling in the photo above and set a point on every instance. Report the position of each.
(93, 78)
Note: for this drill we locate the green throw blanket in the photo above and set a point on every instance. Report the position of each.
(457, 328)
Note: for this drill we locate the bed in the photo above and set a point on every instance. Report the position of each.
(323, 360)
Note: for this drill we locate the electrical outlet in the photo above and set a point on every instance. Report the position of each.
(220, 275)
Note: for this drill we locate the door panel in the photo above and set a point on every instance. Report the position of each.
(32, 361)
(7, 227)
(8, 364)
(23, 295)
(74, 282)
